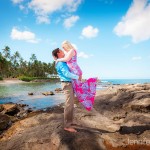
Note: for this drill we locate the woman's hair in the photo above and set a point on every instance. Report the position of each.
(54, 52)
(68, 44)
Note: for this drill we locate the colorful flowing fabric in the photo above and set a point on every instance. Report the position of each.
(85, 91)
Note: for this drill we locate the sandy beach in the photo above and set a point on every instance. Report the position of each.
(11, 81)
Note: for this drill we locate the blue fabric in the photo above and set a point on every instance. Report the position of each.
(64, 73)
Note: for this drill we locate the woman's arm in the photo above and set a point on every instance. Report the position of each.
(67, 57)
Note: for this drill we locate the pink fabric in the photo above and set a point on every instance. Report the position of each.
(85, 91)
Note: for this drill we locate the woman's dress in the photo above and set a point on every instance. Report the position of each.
(85, 91)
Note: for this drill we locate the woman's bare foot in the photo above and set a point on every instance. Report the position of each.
(70, 129)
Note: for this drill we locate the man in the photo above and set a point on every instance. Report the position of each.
(65, 77)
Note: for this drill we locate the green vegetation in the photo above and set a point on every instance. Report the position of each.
(28, 79)
(1, 78)
(14, 66)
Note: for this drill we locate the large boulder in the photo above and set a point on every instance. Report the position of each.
(30, 93)
(16, 111)
(58, 90)
(48, 93)
(142, 105)
(1, 108)
(10, 109)
(4, 122)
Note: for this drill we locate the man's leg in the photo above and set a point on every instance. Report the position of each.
(69, 106)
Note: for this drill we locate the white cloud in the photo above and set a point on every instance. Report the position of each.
(24, 8)
(69, 22)
(43, 19)
(136, 58)
(46, 7)
(17, 1)
(21, 7)
(23, 35)
(84, 55)
(90, 32)
(136, 22)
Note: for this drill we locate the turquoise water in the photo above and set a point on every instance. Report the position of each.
(127, 81)
(108, 82)
(18, 92)
(15, 89)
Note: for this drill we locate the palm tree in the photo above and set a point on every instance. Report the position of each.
(17, 55)
(14, 66)
(53, 69)
(3, 66)
(33, 58)
(6, 52)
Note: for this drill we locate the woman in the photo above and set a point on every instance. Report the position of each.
(85, 91)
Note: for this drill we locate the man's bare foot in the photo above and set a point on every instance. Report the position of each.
(70, 129)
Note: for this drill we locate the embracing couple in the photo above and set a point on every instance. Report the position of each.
(71, 80)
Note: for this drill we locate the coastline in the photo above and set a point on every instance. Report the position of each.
(11, 81)
(17, 81)
(119, 119)
(104, 81)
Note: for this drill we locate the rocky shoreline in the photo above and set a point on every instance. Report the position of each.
(120, 120)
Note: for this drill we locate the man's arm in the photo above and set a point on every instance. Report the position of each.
(66, 72)
(67, 57)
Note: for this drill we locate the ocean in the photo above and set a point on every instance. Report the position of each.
(104, 83)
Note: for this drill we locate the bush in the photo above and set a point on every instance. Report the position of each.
(1, 78)
(27, 79)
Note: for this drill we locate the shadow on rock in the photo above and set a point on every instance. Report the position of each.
(134, 129)
(84, 140)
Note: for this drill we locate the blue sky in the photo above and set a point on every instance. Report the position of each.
(112, 36)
